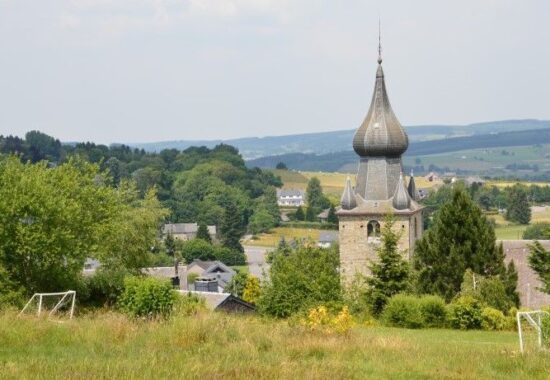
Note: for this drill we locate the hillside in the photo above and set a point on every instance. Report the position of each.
(481, 153)
(337, 141)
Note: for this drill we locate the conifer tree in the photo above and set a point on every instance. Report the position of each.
(539, 261)
(518, 210)
(461, 237)
(299, 215)
(390, 274)
(310, 214)
(510, 280)
(332, 218)
(202, 233)
(231, 227)
(170, 244)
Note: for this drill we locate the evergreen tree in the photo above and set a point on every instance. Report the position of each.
(518, 209)
(461, 237)
(510, 280)
(539, 261)
(316, 200)
(170, 244)
(202, 233)
(390, 275)
(310, 214)
(299, 215)
(230, 228)
(332, 218)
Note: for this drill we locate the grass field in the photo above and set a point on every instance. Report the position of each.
(272, 238)
(218, 346)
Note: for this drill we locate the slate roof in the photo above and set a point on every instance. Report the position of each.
(401, 199)
(217, 301)
(290, 193)
(185, 228)
(328, 236)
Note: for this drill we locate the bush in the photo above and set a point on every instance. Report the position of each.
(104, 287)
(465, 313)
(434, 311)
(403, 311)
(320, 319)
(189, 304)
(546, 330)
(147, 297)
(493, 319)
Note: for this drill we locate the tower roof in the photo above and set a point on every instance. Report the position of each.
(401, 199)
(348, 200)
(380, 134)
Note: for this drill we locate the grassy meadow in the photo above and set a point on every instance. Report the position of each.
(219, 346)
(272, 238)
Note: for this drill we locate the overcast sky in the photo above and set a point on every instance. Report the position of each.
(151, 70)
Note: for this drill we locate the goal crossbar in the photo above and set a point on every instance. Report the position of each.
(534, 318)
(71, 294)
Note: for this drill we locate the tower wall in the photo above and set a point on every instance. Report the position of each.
(358, 249)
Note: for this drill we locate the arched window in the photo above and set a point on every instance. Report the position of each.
(373, 229)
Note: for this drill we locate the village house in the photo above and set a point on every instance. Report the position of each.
(327, 239)
(291, 197)
(204, 272)
(186, 231)
(223, 302)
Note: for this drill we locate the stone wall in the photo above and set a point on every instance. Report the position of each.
(528, 282)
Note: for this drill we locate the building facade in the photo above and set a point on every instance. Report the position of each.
(380, 189)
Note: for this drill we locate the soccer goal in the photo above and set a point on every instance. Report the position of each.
(58, 300)
(534, 318)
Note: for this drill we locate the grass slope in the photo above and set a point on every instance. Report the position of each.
(218, 346)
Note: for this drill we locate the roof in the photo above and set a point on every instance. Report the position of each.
(290, 193)
(219, 301)
(411, 188)
(185, 228)
(165, 272)
(323, 214)
(401, 199)
(380, 134)
(348, 197)
(211, 266)
(328, 236)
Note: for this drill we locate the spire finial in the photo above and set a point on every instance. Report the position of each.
(412, 172)
(379, 43)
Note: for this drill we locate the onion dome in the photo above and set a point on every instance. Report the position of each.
(348, 200)
(412, 188)
(381, 134)
(401, 199)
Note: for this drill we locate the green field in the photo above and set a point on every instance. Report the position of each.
(218, 346)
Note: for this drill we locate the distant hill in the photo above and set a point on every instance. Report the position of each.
(346, 159)
(337, 141)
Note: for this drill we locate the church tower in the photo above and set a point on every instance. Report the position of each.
(380, 188)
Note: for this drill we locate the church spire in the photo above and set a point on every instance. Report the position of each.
(401, 199)
(379, 44)
(348, 201)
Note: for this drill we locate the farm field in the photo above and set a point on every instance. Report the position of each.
(504, 230)
(220, 346)
(272, 238)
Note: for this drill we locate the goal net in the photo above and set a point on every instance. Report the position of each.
(529, 321)
(51, 303)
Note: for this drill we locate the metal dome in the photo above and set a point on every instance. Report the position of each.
(380, 134)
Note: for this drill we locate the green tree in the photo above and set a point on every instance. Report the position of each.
(316, 200)
(230, 228)
(537, 231)
(237, 284)
(305, 277)
(281, 166)
(197, 249)
(539, 261)
(311, 214)
(390, 274)
(170, 244)
(299, 215)
(518, 210)
(332, 218)
(261, 221)
(461, 237)
(202, 233)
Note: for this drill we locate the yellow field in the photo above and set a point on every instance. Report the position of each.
(502, 184)
(272, 238)
(332, 183)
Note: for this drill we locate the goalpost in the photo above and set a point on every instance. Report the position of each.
(535, 320)
(68, 296)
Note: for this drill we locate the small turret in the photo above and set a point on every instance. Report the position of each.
(401, 199)
(348, 200)
(412, 188)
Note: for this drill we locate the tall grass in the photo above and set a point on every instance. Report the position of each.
(219, 346)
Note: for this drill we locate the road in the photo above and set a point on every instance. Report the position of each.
(255, 256)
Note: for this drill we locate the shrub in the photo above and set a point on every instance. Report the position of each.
(147, 297)
(546, 330)
(493, 319)
(465, 313)
(189, 304)
(105, 286)
(320, 319)
(403, 311)
(433, 310)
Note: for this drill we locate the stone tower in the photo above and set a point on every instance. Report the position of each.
(380, 188)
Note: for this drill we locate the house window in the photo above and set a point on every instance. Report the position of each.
(373, 229)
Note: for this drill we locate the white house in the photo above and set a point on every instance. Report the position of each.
(291, 197)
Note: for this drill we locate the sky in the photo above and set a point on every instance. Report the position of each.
(154, 70)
